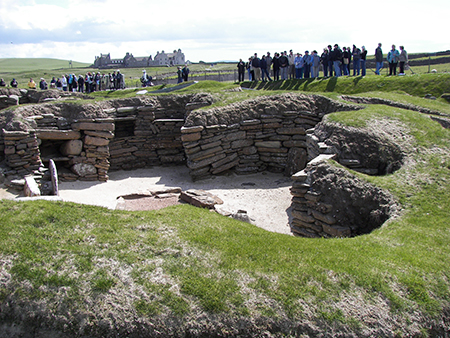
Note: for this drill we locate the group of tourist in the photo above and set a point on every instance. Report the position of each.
(333, 61)
(183, 73)
(88, 83)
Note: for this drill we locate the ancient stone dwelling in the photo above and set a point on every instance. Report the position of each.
(87, 139)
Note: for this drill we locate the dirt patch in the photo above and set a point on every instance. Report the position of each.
(264, 196)
(147, 203)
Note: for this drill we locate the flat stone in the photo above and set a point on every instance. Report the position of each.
(268, 144)
(190, 130)
(95, 141)
(200, 198)
(303, 216)
(174, 190)
(336, 231)
(291, 131)
(93, 126)
(191, 137)
(328, 219)
(203, 163)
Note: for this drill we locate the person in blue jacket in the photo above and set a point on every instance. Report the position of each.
(308, 62)
(392, 58)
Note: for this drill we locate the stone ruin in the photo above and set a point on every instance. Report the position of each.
(280, 133)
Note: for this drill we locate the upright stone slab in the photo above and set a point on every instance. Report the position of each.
(54, 177)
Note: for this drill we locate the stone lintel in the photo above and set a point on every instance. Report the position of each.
(44, 134)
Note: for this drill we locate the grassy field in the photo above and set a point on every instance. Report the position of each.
(184, 262)
(24, 69)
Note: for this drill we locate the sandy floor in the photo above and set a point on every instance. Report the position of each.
(264, 196)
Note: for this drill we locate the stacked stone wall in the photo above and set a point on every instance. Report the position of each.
(267, 133)
(21, 151)
(330, 202)
(273, 142)
(156, 139)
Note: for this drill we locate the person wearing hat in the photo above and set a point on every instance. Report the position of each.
(2, 83)
(43, 84)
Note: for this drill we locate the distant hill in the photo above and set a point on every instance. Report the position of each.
(30, 64)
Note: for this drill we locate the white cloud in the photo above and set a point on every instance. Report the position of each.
(82, 29)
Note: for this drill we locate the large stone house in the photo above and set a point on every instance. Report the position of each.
(130, 61)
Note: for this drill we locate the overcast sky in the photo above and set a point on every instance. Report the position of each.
(211, 31)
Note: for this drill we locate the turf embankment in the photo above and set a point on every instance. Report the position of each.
(186, 271)
(416, 85)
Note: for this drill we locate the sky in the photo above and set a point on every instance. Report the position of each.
(210, 31)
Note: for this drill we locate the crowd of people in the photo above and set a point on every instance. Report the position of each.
(333, 61)
(88, 83)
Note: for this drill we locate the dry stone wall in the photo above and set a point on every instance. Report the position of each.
(330, 202)
(267, 133)
(21, 152)
(156, 139)
(86, 141)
